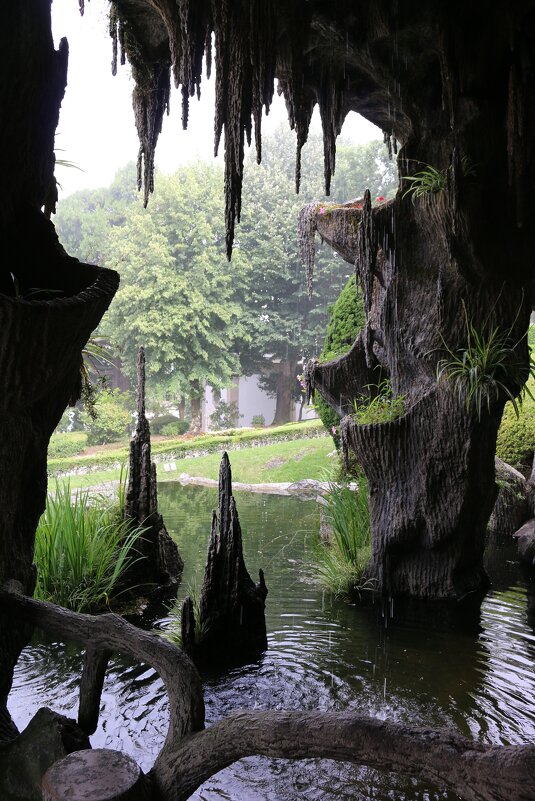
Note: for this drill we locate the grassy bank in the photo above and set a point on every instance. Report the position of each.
(107, 457)
(286, 453)
(281, 461)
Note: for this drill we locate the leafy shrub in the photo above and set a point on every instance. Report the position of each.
(82, 551)
(66, 444)
(346, 319)
(382, 408)
(516, 435)
(175, 429)
(258, 420)
(340, 564)
(225, 415)
(161, 420)
(113, 418)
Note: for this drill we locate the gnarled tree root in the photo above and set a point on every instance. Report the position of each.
(191, 755)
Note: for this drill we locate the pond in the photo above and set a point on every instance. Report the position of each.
(322, 655)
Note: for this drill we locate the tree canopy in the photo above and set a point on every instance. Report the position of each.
(201, 319)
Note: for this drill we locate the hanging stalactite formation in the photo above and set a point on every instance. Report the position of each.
(255, 41)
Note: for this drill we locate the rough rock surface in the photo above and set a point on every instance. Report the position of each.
(525, 537)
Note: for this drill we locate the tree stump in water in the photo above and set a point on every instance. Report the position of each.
(98, 775)
(162, 563)
(231, 611)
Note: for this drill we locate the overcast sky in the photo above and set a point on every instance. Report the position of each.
(96, 129)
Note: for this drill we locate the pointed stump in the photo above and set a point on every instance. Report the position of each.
(232, 619)
(162, 564)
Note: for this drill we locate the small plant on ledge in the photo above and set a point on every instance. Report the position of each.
(382, 408)
(430, 181)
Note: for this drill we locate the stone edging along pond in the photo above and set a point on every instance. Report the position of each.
(306, 487)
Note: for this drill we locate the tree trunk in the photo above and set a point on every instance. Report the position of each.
(196, 408)
(285, 386)
(47, 738)
(431, 471)
(216, 395)
(49, 303)
(40, 366)
(104, 774)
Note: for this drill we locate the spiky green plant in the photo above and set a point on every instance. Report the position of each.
(94, 357)
(173, 632)
(339, 565)
(427, 181)
(82, 551)
(486, 369)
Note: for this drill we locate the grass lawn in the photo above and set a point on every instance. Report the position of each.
(266, 464)
(88, 480)
(166, 449)
(259, 464)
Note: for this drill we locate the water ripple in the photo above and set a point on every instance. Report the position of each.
(322, 655)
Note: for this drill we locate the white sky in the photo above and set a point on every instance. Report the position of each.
(96, 130)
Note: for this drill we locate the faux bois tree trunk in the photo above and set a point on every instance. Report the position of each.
(431, 470)
(49, 303)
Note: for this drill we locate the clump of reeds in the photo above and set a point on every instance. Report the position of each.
(83, 549)
(340, 562)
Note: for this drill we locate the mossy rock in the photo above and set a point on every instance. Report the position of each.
(516, 437)
(512, 507)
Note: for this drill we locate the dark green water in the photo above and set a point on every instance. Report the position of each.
(321, 655)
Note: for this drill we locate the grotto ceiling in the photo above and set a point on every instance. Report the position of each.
(438, 78)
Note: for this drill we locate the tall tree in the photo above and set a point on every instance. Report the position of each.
(177, 295)
(84, 219)
(195, 313)
(289, 327)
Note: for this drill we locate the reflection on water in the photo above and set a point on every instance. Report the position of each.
(321, 655)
